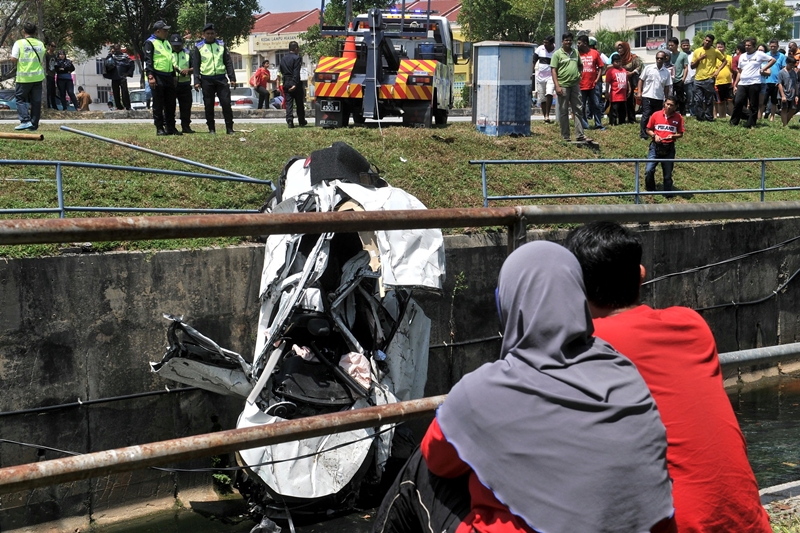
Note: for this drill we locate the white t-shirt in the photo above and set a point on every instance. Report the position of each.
(543, 65)
(16, 50)
(750, 67)
(654, 80)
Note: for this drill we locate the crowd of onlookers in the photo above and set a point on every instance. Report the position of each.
(752, 82)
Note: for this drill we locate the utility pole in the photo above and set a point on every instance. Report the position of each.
(561, 20)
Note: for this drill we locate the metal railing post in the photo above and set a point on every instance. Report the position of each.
(60, 190)
(763, 178)
(636, 198)
(485, 187)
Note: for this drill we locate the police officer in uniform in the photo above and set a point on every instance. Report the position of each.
(28, 54)
(213, 70)
(181, 60)
(161, 78)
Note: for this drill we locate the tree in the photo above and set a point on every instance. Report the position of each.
(669, 8)
(606, 39)
(233, 20)
(520, 20)
(762, 19)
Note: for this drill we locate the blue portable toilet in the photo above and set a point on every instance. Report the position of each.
(502, 87)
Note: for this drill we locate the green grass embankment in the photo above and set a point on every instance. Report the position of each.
(431, 164)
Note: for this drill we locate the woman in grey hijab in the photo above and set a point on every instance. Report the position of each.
(558, 435)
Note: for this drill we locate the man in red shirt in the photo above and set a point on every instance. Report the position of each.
(713, 486)
(592, 71)
(664, 127)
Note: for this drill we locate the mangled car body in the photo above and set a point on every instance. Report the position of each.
(338, 330)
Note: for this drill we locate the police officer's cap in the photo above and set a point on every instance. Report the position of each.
(161, 25)
(209, 26)
(175, 39)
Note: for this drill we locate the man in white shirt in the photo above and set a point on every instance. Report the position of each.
(544, 80)
(747, 85)
(654, 85)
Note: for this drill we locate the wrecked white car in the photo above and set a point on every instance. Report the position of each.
(338, 329)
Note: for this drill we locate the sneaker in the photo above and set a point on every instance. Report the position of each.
(600, 128)
(24, 126)
(229, 131)
(187, 130)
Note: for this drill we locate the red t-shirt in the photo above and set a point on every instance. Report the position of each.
(663, 126)
(592, 64)
(713, 486)
(617, 79)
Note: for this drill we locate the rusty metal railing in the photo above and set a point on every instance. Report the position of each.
(33, 475)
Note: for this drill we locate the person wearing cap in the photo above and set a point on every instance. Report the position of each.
(181, 60)
(28, 56)
(290, 67)
(213, 71)
(161, 78)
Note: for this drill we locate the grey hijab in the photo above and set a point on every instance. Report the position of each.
(562, 428)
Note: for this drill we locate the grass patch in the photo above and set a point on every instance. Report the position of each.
(431, 164)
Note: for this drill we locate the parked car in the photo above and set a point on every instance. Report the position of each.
(8, 100)
(138, 100)
(242, 98)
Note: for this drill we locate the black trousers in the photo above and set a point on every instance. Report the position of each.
(217, 86)
(649, 106)
(122, 99)
(263, 97)
(420, 502)
(298, 97)
(679, 92)
(52, 93)
(184, 94)
(164, 102)
(745, 94)
(618, 113)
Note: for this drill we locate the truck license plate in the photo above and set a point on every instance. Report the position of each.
(330, 106)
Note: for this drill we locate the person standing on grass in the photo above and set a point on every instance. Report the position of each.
(747, 85)
(50, 75)
(28, 55)
(121, 68)
(771, 98)
(724, 85)
(680, 62)
(212, 63)
(688, 81)
(161, 78)
(787, 86)
(566, 70)
(544, 78)
(617, 91)
(182, 61)
(664, 127)
(592, 69)
(707, 62)
(654, 86)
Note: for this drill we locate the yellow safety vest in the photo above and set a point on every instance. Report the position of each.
(180, 60)
(29, 63)
(162, 56)
(211, 63)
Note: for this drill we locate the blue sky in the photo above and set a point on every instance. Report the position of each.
(282, 6)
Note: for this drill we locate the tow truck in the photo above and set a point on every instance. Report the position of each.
(393, 62)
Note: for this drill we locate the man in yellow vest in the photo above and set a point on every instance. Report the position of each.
(181, 60)
(161, 78)
(28, 54)
(212, 62)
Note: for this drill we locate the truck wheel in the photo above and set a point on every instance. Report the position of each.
(441, 116)
(358, 118)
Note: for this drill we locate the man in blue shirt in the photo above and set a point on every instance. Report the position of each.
(771, 100)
